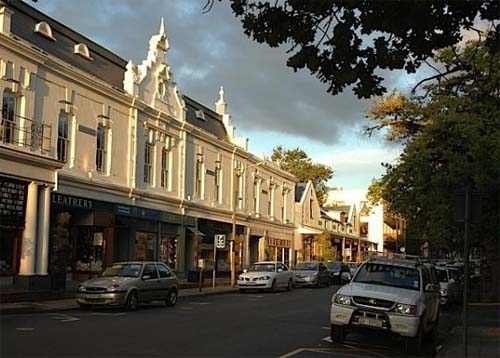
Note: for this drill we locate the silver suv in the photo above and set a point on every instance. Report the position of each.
(128, 283)
(395, 295)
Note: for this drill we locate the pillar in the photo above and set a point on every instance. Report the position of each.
(181, 250)
(246, 249)
(359, 251)
(28, 244)
(350, 250)
(342, 253)
(42, 248)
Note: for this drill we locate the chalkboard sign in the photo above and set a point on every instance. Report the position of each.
(13, 195)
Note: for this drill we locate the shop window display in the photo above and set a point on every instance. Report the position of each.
(168, 251)
(145, 246)
(89, 250)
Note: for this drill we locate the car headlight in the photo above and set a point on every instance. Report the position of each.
(443, 291)
(342, 300)
(241, 278)
(264, 278)
(81, 288)
(336, 273)
(113, 288)
(406, 309)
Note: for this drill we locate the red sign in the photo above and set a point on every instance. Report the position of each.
(278, 242)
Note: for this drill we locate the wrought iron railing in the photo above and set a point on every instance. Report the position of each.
(27, 133)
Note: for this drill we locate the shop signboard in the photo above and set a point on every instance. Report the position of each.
(278, 243)
(220, 241)
(80, 203)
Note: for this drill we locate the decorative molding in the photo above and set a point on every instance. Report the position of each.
(44, 29)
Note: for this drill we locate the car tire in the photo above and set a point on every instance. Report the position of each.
(171, 300)
(289, 287)
(85, 306)
(131, 303)
(413, 345)
(337, 333)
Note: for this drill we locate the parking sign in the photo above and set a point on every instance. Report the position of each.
(220, 241)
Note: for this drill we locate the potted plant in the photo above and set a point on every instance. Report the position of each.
(60, 251)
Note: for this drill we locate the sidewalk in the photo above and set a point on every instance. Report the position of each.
(71, 304)
(483, 334)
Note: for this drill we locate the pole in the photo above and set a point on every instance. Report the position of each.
(233, 231)
(201, 279)
(466, 268)
(231, 261)
(215, 262)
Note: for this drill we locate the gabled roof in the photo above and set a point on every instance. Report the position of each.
(212, 122)
(340, 208)
(104, 64)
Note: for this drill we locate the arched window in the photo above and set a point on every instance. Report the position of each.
(62, 137)
(8, 125)
(44, 29)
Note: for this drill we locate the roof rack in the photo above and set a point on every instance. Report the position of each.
(392, 256)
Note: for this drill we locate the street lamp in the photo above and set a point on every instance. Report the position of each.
(236, 173)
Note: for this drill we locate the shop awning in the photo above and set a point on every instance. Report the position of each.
(195, 231)
(309, 231)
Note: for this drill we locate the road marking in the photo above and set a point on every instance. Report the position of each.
(186, 308)
(65, 318)
(200, 303)
(108, 314)
(327, 339)
(325, 328)
(300, 350)
(25, 329)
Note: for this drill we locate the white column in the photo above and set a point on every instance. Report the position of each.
(42, 248)
(28, 245)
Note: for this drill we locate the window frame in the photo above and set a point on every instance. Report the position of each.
(165, 168)
(101, 150)
(7, 122)
(148, 162)
(63, 142)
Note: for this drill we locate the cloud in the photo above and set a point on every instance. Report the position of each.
(210, 50)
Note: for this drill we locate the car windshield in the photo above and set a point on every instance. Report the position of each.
(442, 275)
(389, 275)
(333, 266)
(123, 270)
(307, 266)
(262, 268)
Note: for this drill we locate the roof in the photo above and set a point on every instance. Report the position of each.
(340, 208)
(212, 122)
(299, 191)
(104, 64)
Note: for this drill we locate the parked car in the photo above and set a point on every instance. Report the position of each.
(128, 283)
(353, 267)
(449, 287)
(395, 295)
(266, 275)
(311, 273)
(337, 270)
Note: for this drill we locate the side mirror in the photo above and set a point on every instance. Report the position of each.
(146, 277)
(245, 270)
(429, 287)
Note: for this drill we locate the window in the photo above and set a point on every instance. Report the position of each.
(163, 271)
(101, 148)
(256, 196)
(150, 270)
(283, 205)
(82, 50)
(217, 181)
(239, 194)
(44, 29)
(198, 178)
(164, 180)
(148, 160)
(269, 203)
(62, 138)
(9, 107)
(311, 202)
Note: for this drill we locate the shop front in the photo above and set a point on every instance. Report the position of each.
(13, 194)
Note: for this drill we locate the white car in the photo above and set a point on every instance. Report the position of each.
(266, 275)
(394, 295)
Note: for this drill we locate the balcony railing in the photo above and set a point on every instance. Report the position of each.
(26, 133)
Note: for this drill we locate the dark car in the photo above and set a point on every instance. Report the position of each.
(339, 272)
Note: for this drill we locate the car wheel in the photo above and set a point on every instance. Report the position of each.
(413, 345)
(85, 306)
(337, 333)
(289, 287)
(171, 298)
(131, 303)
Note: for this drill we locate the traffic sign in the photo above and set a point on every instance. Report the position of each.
(220, 241)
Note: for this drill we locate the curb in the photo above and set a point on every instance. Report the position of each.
(33, 307)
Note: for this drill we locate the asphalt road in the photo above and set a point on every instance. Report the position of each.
(285, 324)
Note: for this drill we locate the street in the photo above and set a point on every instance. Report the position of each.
(283, 324)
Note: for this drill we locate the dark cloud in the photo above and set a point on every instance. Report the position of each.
(209, 50)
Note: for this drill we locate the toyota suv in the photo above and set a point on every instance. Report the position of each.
(387, 294)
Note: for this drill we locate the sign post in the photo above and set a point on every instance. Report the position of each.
(219, 243)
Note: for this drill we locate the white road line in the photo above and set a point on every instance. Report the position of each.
(327, 339)
(186, 308)
(108, 314)
(65, 318)
(325, 328)
(292, 353)
(24, 329)
(200, 303)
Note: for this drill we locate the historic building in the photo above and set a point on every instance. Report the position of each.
(104, 160)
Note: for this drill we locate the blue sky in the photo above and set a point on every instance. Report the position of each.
(269, 103)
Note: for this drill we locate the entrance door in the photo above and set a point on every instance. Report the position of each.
(254, 249)
(145, 246)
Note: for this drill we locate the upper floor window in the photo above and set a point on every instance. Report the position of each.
(9, 108)
(164, 180)
(256, 196)
(217, 182)
(100, 160)
(198, 177)
(283, 205)
(148, 162)
(239, 188)
(311, 202)
(62, 138)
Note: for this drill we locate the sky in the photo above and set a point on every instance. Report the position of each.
(269, 102)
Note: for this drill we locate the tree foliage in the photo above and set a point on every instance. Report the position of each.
(451, 137)
(347, 43)
(298, 163)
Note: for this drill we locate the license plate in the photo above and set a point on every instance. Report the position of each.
(91, 296)
(251, 283)
(371, 322)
